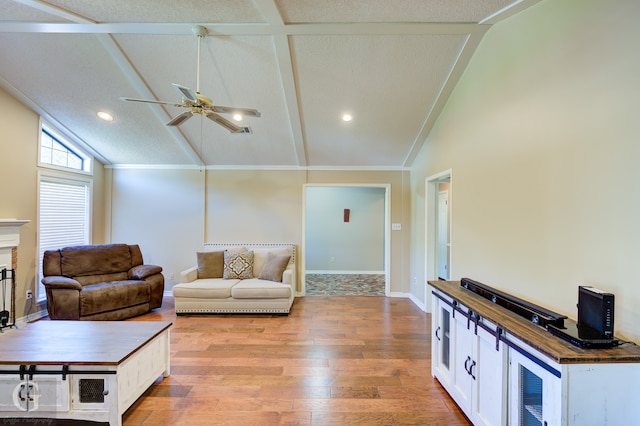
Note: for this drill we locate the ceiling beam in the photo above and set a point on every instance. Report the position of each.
(508, 11)
(56, 11)
(271, 14)
(9, 88)
(460, 64)
(383, 28)
(118, 56)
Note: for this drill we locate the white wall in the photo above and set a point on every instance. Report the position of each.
(19, 138)
(171, 212)
(164, 212)
(335, 245)
(542, 137)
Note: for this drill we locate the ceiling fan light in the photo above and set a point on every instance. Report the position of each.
(103, 115)
(237, 117)
(347, 117)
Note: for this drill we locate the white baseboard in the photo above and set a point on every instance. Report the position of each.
(325, 272)
(31, 317)
(418, 302)
(411, 297)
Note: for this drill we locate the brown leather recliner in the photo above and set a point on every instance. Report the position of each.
(100, 282)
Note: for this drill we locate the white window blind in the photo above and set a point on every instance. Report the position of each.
(64, 216)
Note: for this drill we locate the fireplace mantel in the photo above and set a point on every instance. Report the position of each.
(10, 232)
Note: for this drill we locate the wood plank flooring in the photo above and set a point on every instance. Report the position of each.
(352, 360)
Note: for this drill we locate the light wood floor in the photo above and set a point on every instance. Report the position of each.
(351, 360)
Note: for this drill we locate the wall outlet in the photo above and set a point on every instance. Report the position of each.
(333, 259)
(171, 276)
(29, 294)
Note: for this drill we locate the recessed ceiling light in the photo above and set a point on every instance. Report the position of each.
(105, 116)
(237, 117)
(347, 117)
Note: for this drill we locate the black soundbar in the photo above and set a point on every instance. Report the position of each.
(534, 313)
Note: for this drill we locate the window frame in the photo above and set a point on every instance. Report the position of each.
(65, 141)
(69, 179)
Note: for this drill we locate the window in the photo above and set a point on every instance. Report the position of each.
(58, 152)
(64, 215)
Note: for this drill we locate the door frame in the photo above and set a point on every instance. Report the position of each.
(443, 194)
(387, 230)
(431, 188)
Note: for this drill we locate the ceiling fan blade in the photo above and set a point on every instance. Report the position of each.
(231, 110)
(227, 124)
(149, 101)
(186, 93)
(179, 119)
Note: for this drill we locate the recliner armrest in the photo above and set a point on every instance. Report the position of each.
(56, 281)
(140, 272)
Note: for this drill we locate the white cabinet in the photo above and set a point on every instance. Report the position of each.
(469, 360)
(441, 348)
(544, 393)
(490, 377)
(464, 363)
(44, 393)
(534, 390)
(502, 370)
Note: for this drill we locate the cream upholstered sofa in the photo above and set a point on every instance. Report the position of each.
(238, 278)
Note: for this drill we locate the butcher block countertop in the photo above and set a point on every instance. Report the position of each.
(557, 349)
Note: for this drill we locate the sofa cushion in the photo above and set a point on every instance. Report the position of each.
(274, 266)
(107, 297)
(210, 264)
(99, 279)
(238, 265)
(95, 260)
(208, 288)
(260, 256)
(260, 289)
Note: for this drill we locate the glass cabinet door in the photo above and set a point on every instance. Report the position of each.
(534, 391)
(442, 350)
(445, 346)
(530, 399)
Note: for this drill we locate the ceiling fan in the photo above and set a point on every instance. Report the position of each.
(197, 103)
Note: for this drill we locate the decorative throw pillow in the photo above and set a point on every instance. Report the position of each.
(238, 265)
(274, 266)
(210, 264)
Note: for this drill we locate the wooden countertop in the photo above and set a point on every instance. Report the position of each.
(76, 342)
(533, 335)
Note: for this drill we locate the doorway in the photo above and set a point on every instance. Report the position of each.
(438, 249)
(443, 236)
(345, 240)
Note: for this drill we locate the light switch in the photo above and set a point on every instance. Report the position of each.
(396, 226)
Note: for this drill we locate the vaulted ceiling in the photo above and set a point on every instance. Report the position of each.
(301, 63)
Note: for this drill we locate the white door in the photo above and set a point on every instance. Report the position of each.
(463, 361)
(489, 406)
(11, 397)
(443, 235)
(49, 394)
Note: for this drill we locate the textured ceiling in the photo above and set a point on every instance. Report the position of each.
(301, 63)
